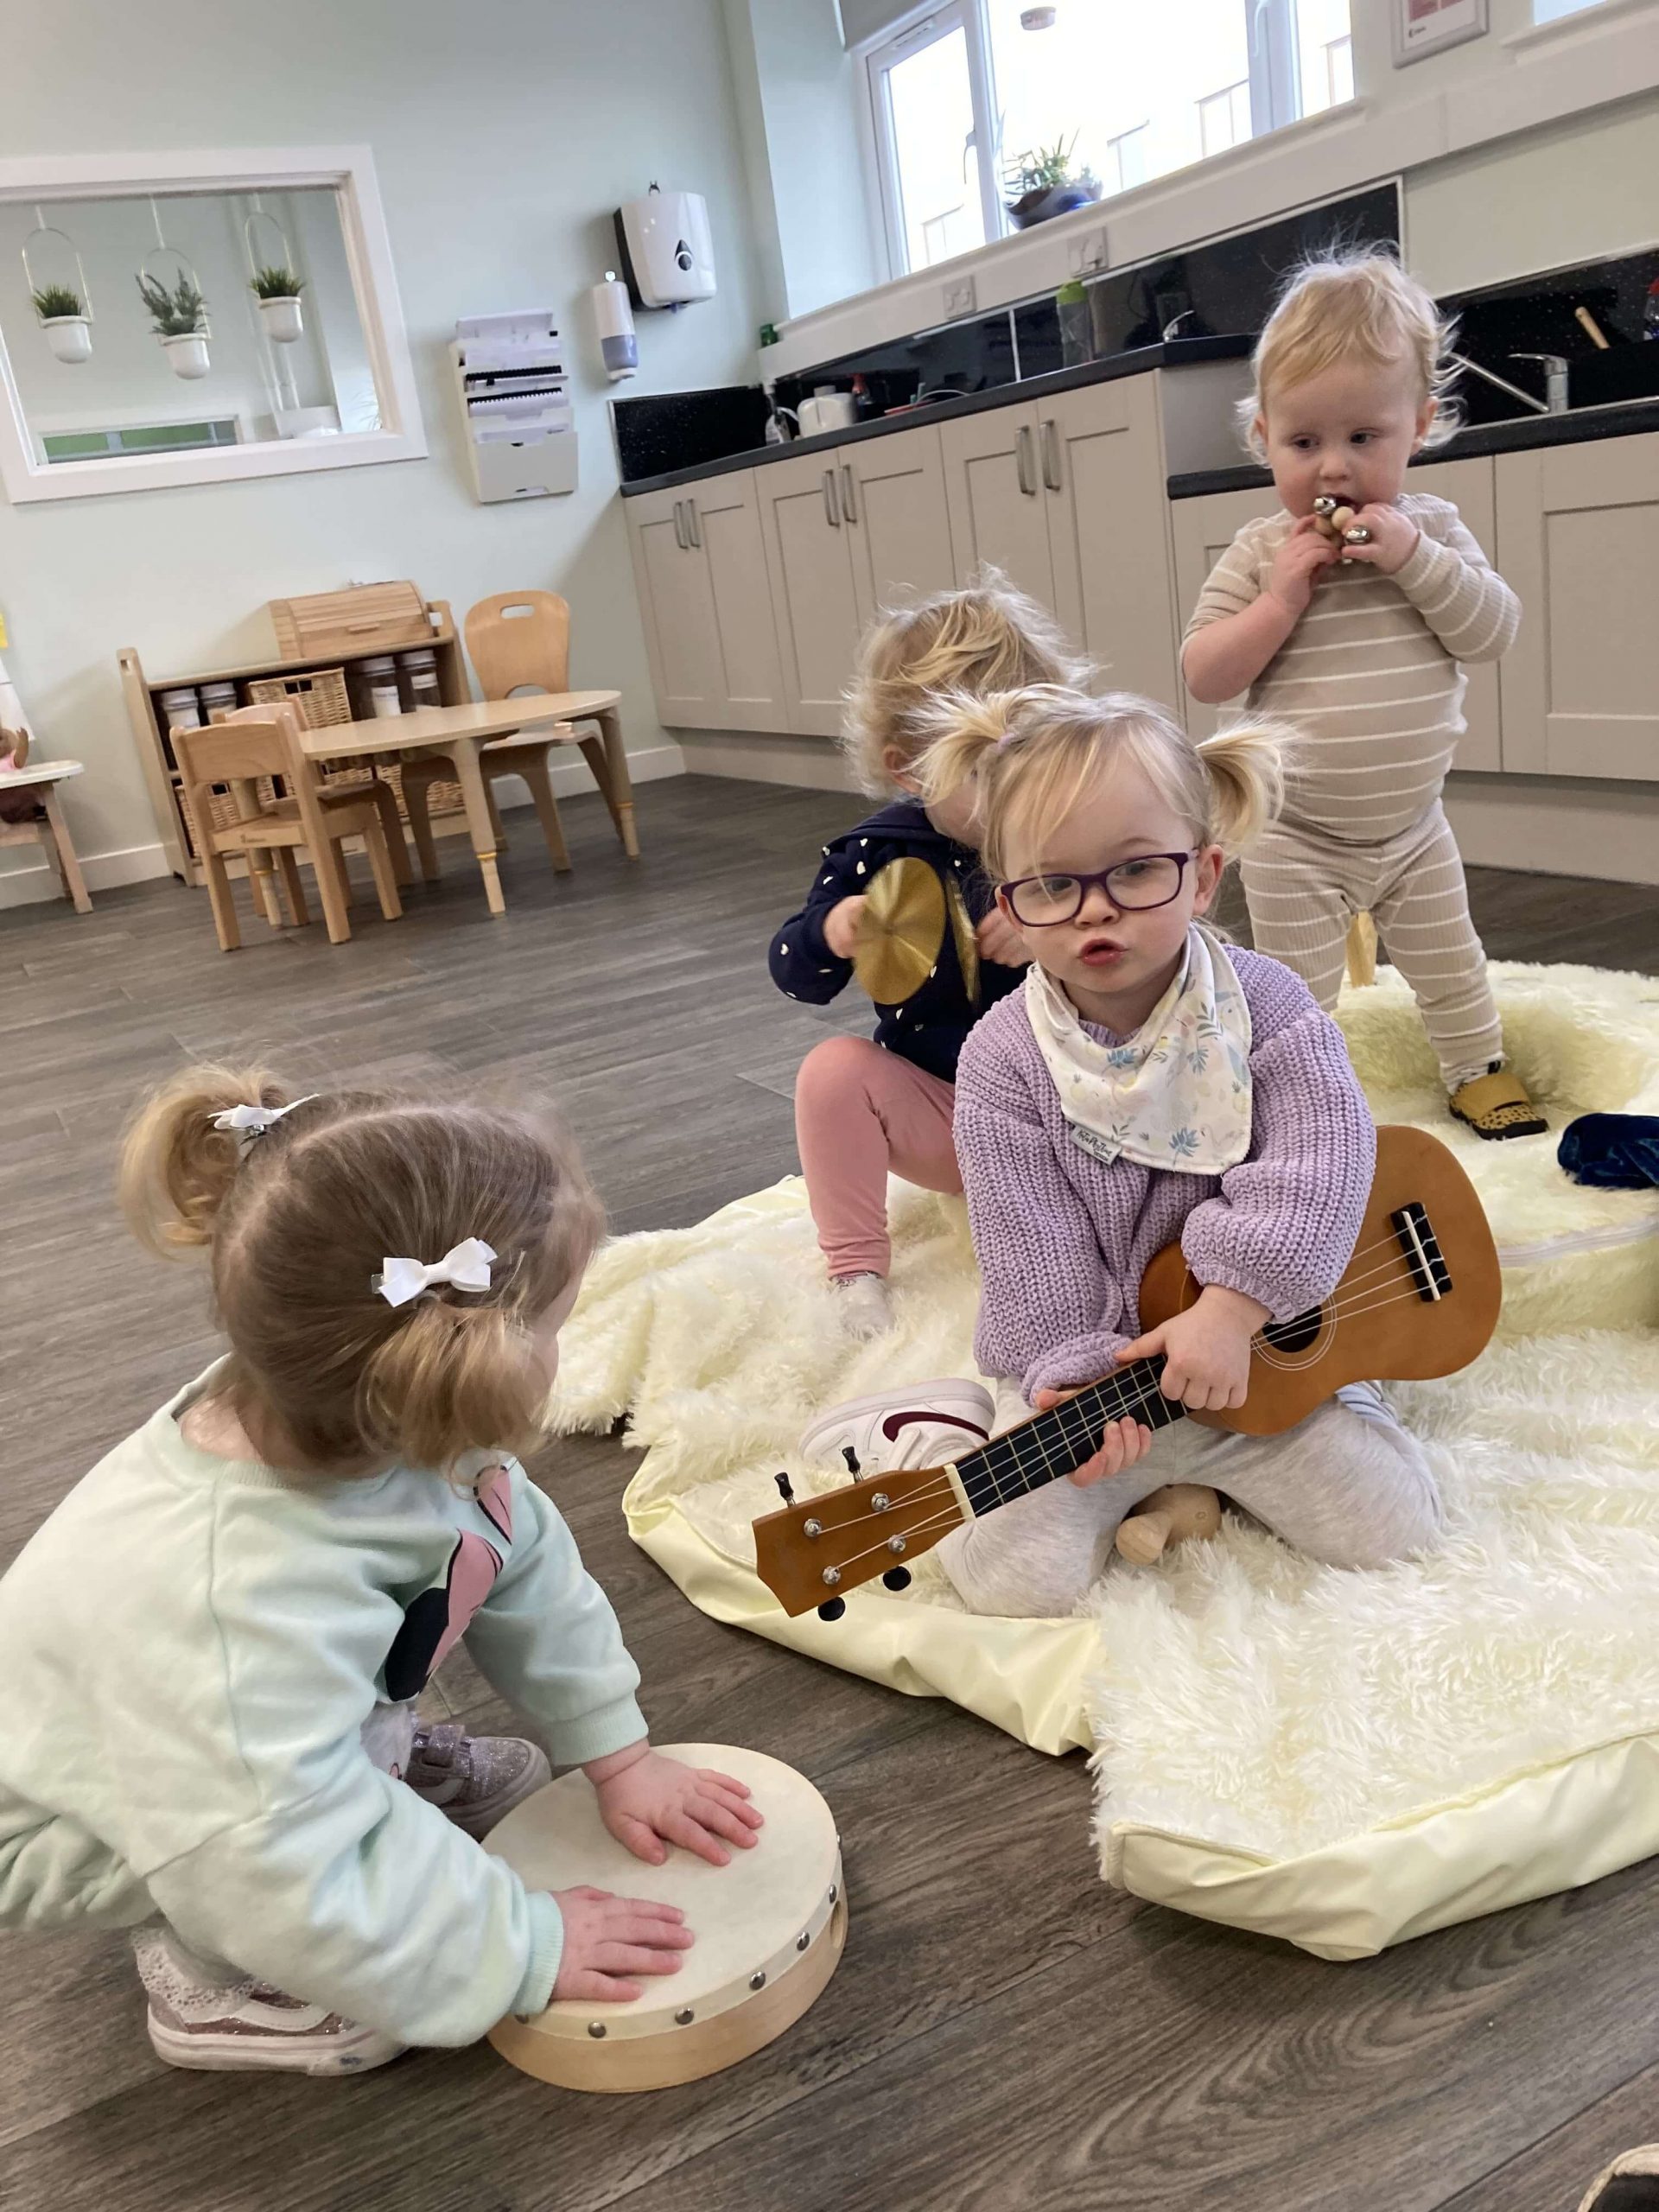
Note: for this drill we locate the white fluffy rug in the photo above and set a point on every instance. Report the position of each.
(1236, 1692)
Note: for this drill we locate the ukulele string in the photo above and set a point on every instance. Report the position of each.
(1121, 1399)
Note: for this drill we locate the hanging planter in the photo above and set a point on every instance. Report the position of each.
(180, 318)
(278, 291)
(63, 311)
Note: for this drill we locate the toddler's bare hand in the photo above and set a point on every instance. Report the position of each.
(609, 1939)
(841, 927)
(999, 940)
(1297, 564)
(1394, 538)
(653, 1802)
(1123, 1443)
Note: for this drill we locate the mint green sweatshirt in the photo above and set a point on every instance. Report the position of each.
(191, 1648)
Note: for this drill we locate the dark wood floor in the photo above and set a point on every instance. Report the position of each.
(1005, 2031)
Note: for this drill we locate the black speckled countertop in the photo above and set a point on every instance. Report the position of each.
(1523, 434)
(1177, 353)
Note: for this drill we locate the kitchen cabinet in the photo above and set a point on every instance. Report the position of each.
(1578, 537)
(700, 566)
(898, 524)
(1204, 528)
(1067, 499)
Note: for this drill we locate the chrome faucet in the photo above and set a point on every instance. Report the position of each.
(1555, 379)
(1500, 384)
(1172, 327)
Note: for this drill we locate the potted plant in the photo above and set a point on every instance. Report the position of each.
(1044, 186)
(180, 317)
(62, 314)
(278, 291)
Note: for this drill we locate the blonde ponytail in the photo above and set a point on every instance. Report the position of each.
(176, 1168)
(1246, 767)
(450, 1380)
(957, 730)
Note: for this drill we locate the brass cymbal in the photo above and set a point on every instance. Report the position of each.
(901, 930)
(962, 928)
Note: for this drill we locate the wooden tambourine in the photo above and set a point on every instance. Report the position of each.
(770, 1928)
(901, 930)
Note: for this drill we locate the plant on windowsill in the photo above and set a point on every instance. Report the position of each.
(278, 291)
(180, 319)
(62, 314)
(1044, 186)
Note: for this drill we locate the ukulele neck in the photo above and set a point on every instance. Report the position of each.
(1051, 1444)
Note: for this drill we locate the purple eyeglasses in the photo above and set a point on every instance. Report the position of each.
(1149, 879)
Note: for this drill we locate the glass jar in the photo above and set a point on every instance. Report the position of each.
(181, 707)
(217, 698)
(380, 676)
(419, 672)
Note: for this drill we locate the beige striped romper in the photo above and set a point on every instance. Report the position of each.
(1369, 676)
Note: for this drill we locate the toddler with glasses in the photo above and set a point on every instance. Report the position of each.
(1150, 1082)
(869, 1107)
(1359, 645)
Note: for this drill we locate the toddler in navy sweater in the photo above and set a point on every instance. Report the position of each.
(864, 1108)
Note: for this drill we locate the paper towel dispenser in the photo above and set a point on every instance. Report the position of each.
(668, 256)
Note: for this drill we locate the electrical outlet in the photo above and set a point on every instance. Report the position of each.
(960, 298)
(1086, 251)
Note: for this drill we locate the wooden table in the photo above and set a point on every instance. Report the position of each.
(42, 778)
(460, 734)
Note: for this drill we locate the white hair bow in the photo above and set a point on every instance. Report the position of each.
(246, 1122)
(466, 1265)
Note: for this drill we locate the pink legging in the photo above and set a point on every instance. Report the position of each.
(860, 1112)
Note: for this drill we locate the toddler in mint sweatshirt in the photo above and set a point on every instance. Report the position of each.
(213, 1648)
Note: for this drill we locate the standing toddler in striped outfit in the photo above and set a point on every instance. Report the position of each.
(1359, 647)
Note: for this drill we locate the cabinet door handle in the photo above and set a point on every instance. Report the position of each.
(694, 533)
(847, 507)
(1022, 461)
(1052, 455)
(829, 506)
(679, 524)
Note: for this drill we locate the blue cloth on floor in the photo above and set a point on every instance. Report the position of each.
(1616, 1151)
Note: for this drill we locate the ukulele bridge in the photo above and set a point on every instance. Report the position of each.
(1431, 1277)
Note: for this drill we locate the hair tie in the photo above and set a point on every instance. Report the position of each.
(245, 1124)
(466, 1266)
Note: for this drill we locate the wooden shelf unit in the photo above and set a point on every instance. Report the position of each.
(143, 697)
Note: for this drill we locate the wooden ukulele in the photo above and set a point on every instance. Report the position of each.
(1419, 1298)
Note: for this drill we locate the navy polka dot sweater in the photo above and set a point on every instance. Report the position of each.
(929, 1028)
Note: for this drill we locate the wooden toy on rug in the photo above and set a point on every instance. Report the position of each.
(1419, 1298)
(1175, 1515)
(1362, 951)
(770, 1929)
(1337, 522)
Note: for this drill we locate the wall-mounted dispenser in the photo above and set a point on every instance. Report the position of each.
(614, 320)
(668, 256)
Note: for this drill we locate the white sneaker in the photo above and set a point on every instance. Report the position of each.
(922, 1425)
(863, 1306)
(245, 2026)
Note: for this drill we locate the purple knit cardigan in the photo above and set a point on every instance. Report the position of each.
(1063, 1240)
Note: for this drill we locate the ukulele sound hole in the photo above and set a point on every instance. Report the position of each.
(1296, 1334)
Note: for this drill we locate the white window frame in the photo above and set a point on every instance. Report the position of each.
(347, 170)
(1275, 100)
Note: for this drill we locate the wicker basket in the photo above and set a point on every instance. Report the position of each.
(323, 702)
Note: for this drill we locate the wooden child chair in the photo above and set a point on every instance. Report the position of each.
(238, 751)
(33, 813)
(520, 641)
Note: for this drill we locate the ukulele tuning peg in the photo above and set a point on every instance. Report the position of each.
(786, 1489)
(851, 1458)
(896, 1578)
(832, 1609)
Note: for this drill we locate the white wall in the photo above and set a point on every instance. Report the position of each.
(503, 136)
(1520, 149)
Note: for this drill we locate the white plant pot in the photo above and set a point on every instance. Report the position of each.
(186, 354)
(283, 319)
(69, 336)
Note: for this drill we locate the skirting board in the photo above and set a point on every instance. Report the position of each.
(808, 763)
(37, 882)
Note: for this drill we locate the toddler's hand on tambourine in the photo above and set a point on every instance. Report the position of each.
(1122, 1443)
(841, 927)
(607, 1939)
(653, 1801)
